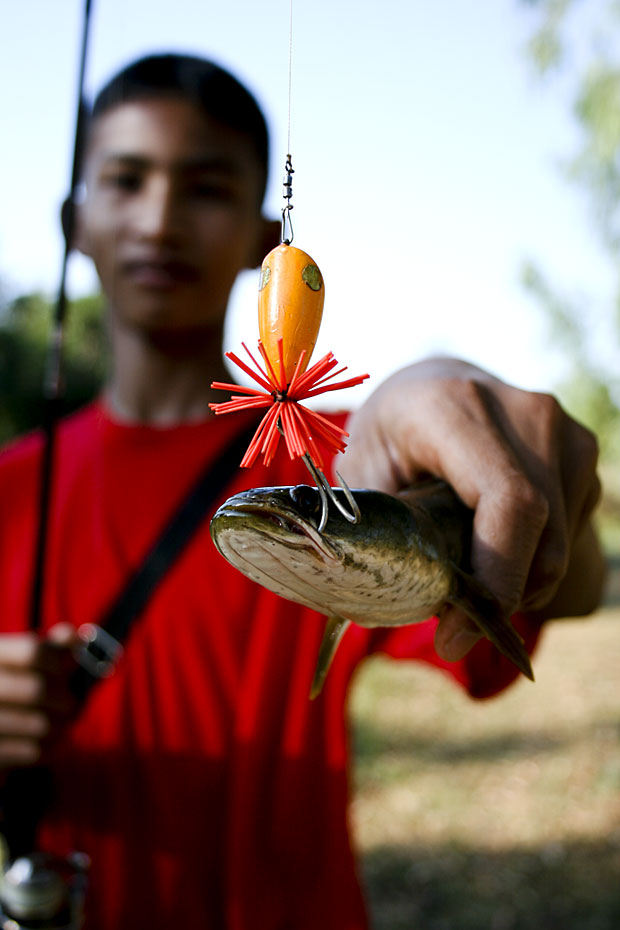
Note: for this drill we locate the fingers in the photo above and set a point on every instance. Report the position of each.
(35, 699)
(28, 687)
(27, 650)
(510, 517)
(455, 635)
(22, 734)
(558, 458)
(474, 454)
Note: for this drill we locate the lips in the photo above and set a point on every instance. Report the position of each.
(160, 273)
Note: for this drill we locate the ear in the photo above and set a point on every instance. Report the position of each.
(267, 239)
(72, 222)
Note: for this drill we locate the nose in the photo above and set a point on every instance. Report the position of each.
(157, 214)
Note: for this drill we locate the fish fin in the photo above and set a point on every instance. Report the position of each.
(479, 604)
(335, 628)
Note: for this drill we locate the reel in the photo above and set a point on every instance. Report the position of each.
(43, 892)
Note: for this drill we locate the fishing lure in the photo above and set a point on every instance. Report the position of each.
(290, 309)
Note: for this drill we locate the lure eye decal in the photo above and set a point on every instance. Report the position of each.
(265, 274)
(312, 277)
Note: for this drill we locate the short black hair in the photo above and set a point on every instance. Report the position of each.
(212, 89)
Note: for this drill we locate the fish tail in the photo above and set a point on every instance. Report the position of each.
(335, 628)
(484, 610)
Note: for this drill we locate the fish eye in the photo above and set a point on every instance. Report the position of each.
(307, 500)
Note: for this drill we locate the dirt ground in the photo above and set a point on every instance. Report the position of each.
(500, 814)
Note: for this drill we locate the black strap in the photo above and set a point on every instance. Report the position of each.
(180, 529)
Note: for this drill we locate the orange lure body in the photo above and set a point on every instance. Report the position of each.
(290, 306)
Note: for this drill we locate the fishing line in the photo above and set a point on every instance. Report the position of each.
(326, 492)
(290, 71)
(287, 233)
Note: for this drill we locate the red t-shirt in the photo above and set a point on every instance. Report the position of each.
(206, 787)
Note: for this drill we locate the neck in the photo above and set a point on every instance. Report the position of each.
(164, 378)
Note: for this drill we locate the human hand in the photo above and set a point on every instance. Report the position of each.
(35, 699)
(526, 469)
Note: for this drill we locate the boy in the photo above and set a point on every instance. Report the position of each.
(208, 791)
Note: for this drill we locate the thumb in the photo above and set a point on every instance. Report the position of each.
(56, 650)
(63, 634)
(456, 634)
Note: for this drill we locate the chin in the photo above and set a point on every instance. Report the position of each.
(154, 314)
(177, 337)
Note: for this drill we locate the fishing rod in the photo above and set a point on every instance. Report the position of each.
(37, 889)
(53, 388)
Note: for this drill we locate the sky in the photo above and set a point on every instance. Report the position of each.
(427, 161)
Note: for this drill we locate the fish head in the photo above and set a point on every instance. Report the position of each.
(378, 572)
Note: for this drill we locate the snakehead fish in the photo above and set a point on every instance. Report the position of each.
(405, 559)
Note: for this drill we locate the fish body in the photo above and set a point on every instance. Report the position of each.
(405, 559)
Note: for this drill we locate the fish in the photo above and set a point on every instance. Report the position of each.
(403, 562)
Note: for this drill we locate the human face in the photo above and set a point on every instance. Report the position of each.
(171, 215)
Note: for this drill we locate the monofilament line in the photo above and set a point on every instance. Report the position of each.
(290, 71)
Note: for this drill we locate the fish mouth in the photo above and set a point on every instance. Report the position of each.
(290, 529)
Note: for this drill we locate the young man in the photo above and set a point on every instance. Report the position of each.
(208, 791)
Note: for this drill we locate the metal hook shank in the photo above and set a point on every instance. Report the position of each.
(287, 233)
(326, 493)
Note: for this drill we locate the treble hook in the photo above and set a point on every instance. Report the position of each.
(326, 493)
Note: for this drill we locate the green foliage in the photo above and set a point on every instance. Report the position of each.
(25, 325)
(597, 165)
(546, 46)
(582, 41)
(590, 389)
(592, 402)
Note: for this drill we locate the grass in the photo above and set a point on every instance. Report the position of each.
(493, 815)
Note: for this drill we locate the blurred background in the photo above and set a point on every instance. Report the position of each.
(458, 182)
(456, 179)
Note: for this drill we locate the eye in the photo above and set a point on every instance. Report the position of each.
(211, 189)
(128, 181)
(307, 500)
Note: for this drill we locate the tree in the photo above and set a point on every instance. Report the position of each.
(25, 324)
(580, 44)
